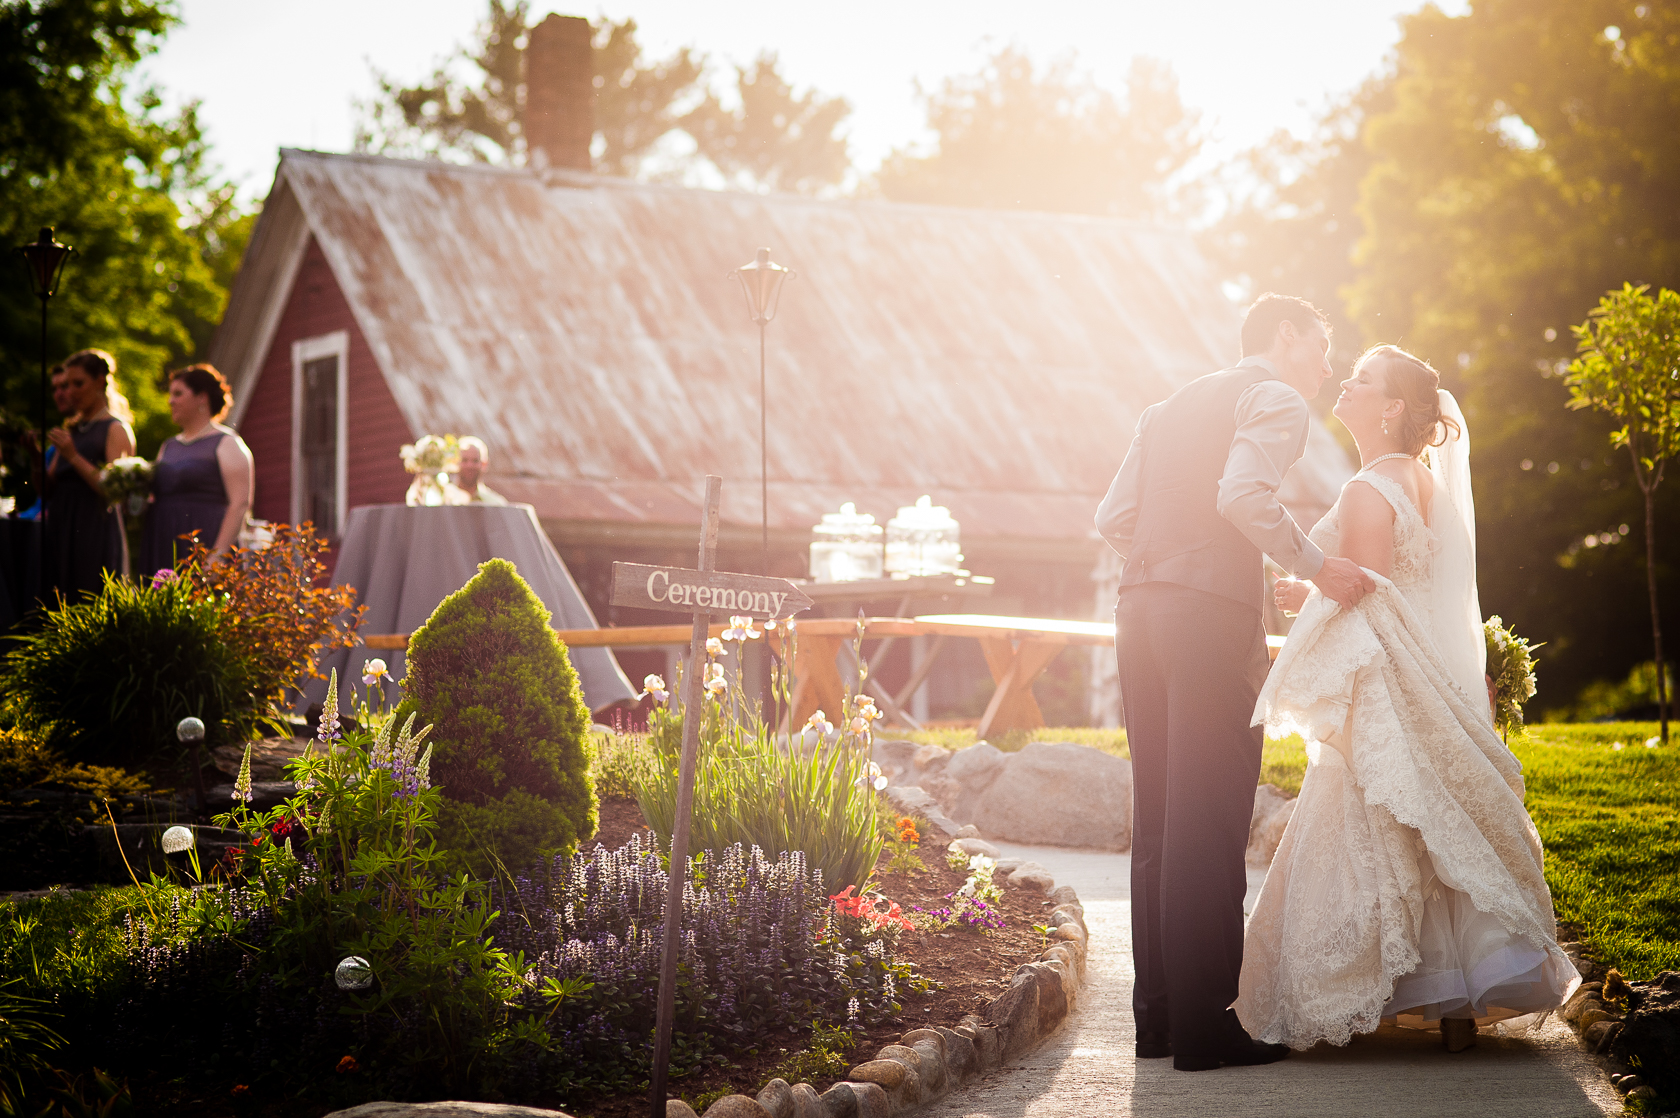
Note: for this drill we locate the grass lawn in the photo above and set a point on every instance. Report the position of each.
(1610, 819)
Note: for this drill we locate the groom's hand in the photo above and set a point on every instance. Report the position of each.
(1343, 581)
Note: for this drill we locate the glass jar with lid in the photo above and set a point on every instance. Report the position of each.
(847, 546)
(923, 540)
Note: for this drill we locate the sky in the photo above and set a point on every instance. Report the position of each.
(286, 75)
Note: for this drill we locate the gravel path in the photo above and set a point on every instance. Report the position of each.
(1088, 1067)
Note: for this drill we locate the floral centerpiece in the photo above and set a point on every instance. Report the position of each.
(128, 481)
(430, 458)
(1510, 666)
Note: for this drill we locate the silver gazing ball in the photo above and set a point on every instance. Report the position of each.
(353, 973)
(177, 839)
(189, 729)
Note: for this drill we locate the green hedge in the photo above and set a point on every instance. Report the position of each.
(510, 735)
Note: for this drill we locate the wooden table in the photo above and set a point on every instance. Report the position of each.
(1017, 650)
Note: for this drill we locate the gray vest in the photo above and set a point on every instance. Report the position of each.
(1180, 537)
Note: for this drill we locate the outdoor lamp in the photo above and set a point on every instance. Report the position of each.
(189, 730)
(44, 257)
(761, 283)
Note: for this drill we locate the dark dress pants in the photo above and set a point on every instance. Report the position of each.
(1191, 668)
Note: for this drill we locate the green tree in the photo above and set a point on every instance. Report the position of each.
(1525, 165)
(1012, 137)
(774, 138)
(510, 730)
(82, 149)
(1630, 367)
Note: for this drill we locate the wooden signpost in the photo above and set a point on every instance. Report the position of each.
(702, 592)
(706, 591)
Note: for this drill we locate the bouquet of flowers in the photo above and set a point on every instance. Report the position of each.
(430, 459)
(127, 480)
(1510, 665)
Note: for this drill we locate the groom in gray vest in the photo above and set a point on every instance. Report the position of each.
(1193, 508)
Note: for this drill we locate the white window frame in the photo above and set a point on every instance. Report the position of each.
(335, 344)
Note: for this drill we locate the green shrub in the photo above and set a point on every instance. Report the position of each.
(810, 798)
(509, 728)
(108, 677)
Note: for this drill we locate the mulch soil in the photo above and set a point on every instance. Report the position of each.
(969, 968)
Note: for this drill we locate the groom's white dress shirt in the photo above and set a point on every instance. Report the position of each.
(1272, 424)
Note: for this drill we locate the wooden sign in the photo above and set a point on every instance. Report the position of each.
(681, 590)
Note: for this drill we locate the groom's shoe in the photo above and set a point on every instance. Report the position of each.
(1239, 1050)
(1153, 1045)
(1246, 1053)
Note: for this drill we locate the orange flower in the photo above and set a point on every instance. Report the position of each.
(240, 1090)
(348, 1065)
(907, 830)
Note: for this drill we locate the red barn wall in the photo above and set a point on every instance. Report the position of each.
(376, 429)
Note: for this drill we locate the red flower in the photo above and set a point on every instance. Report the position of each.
(348, 1065)
(282, 827)
(240, 1090)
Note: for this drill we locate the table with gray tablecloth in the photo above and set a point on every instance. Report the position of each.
(404, 561)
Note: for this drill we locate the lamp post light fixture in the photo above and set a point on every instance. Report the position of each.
(44, 257)
(761, 283)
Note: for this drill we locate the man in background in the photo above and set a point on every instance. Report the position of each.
(472, 463)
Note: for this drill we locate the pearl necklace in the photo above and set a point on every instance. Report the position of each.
(1383, 458)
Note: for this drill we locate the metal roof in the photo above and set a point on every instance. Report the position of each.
(587, 328)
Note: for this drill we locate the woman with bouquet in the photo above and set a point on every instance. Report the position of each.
(84, 533)
(1409, 887)
(203, 477)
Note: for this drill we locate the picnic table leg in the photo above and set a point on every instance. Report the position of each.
(816, 681)
(1014, 668)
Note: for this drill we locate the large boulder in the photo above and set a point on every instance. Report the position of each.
(1048, 794)
(1273, 808)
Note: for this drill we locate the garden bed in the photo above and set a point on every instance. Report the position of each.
(970, 969)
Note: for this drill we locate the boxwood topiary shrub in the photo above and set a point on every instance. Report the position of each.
(510, 732)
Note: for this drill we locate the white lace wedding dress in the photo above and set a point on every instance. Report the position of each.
(1408, 886)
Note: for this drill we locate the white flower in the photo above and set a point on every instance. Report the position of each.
(741, 629)
(714, 681)
(1652, 743)
(423, 774)
(373, 671)
(820, 723)
(177, 839)
(860, 725)
(242, 783)
(1619, 745)
(714, 647)
(872, 775)
(655, 685)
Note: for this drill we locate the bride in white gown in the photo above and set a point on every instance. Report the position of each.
(1408, 887)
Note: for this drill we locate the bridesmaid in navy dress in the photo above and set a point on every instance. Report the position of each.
(84, 533)
(203, 477)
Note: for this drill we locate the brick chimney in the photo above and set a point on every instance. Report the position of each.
(560, 93)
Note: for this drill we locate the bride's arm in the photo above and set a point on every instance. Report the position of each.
(1367, 528)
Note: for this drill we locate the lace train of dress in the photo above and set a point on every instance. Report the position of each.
(1409, 883)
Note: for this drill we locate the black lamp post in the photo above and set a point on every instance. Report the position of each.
(44, 257)
(761, 283)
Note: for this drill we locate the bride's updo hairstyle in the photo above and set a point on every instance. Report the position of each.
(1415, 383)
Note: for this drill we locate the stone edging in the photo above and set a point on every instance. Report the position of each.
(927, 1063)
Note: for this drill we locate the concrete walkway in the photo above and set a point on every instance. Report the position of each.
(1089, 1067)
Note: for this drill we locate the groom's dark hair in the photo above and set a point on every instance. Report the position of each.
(1261, 322)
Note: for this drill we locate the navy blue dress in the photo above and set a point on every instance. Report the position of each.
(84, 533)
(187, 494)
